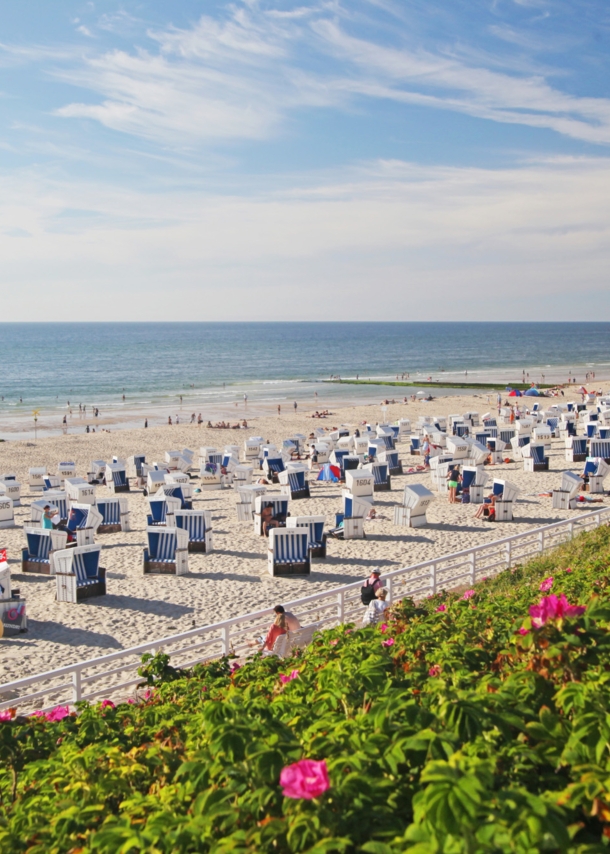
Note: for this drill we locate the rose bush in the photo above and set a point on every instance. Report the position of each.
(479, 729)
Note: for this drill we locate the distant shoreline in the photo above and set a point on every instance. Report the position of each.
(439, 384)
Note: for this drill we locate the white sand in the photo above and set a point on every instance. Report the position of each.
(233, 579)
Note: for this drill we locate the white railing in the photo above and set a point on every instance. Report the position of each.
(115, 675)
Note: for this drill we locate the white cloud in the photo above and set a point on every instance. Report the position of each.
(444, 243)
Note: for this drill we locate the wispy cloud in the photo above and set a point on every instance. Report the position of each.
(533, 230)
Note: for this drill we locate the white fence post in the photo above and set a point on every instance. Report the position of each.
(541, 540)
(226, 640)
(473, 566)
(389, 589)
(76, 686)
(341, 606)
(508, 554)
(433, 577)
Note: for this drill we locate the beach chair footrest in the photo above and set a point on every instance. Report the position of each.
(280, 568)
(160, 567)
(197, 546)
(39, 566)
(109, 529)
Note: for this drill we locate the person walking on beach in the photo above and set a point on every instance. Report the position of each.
(169, 420)
(295, 406)
(279, 409)
(425, 451)
(146, 423)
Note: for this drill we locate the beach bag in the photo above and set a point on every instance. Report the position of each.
(367, 594)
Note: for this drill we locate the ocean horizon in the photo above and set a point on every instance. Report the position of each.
(208, 367)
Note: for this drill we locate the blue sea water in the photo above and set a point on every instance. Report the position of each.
(152, 363)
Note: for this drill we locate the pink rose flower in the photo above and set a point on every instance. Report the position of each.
(523, 631)
(234, 666)
(546, 584)
(383, 627)
(334, 642)
(435, 670)
(441, 608)
(7, 714)
(107, 704)
(388, 642)
(468, 594)
(305, 779)
(56, 714)
(568, 569)
(294, 674)
(131, 701)
(554, 608)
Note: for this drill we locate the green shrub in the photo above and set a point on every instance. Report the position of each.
(457, 726)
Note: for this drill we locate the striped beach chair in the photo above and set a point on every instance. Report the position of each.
(381, 473)
(177, 490)
(116, 478)
(288, 552)
(167, 551)
(596, 471)
(279, 503)
(534, 458)
(38, 556)
(294, 483)
(115, 515)
(198, 524)
(315, 528)
(78, 574)
(272, 466)
(162, 510)
(576, 449)
(83, 522)
(600, 448)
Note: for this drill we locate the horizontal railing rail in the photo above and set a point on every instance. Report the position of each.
(117, 671)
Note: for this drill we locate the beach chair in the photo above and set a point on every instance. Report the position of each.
(179, 491)
(83, 523)
(154, 480)
(350, 463)
(253, 447)
(116, 477)
(78, 574)
(246, 495)
(460, 430)
(387, 440)
(280, 505)
(415, 446)
(360, 447)
(57, 501)
(576, 449)
(553, 425)
(64, 470)
(416, 500)
(392, 461)
(315, 529)
(457, 447)
(36, 478)
(242, 474)
(79, 490)
(288, 552)
(382, 481)
(162, 509)
(322, 451)
(566, 498)
(135, 468)
(506, 493)
(534, 458)
(97, 472)
(7, 512)
(543, 433)
(293, 482)
(198, 524)
(180, 478)
(11, 488)
(210, 476)
(375, 447)
(51, 481)
(597, 470)
(167, 552)
(600, 448)
(115, 515)
(360, 483)
(337, 457)
(474, 479)
(477, 453)
(404, 429)
(42, 545)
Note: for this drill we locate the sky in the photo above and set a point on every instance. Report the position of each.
(278, 160)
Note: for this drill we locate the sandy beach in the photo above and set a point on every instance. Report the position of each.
(233, 578)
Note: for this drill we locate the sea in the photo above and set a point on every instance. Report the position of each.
(132, 371)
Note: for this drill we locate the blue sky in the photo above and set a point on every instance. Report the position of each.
(282, 160)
